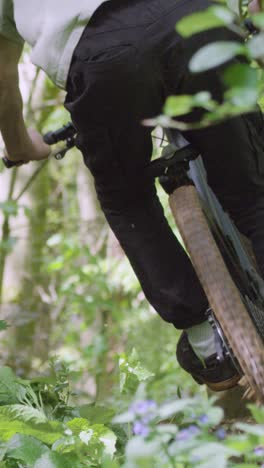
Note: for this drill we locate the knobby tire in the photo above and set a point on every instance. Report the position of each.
(223, 296)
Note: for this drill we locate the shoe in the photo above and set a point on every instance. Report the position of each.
(217, 375)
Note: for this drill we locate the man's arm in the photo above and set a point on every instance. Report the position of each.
(21, 144)
(255, 6)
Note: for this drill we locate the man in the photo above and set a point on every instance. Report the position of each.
(255, 6)
(118, 61)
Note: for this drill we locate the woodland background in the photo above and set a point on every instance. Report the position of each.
(82, 345)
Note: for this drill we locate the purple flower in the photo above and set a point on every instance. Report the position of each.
(183, 435)
(140, 429)
(220, 433)
(143, 407)
(194, 430)
(203, 419)
(259, 451)
(188, 433)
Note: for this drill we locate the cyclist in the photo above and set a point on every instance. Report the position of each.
(118, 60)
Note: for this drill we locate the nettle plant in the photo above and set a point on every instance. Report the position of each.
(242, 78)
(39, 427)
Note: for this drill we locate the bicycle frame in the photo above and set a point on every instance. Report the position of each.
(251, 285)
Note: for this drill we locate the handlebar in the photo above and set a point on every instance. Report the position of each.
(62, 134)
(66, 133)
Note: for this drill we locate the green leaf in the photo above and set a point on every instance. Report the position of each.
(57, 265)
(169, 409)
(109, 463)
(214, 55)
(108, 439)
(78, 425)
(235, 6)
(178, 105)
(54, 240)
(141, 448)
(9, 207)
(57, 460)
(215, 415)
(204, 99)
(99, 439)
(241, 443)
(132, 372)
(240, 75)
(10, 389)
(3, 449)
(47, 433)
(255, 46)
(97, 414)
(3, 325)
(26, 449)
(211, 450)
(242, 81)
(124, 418)
(23, 413)
(251, 428)
(245, 98)
(258, 20)
(213, 17)
(8, 245)
(258, 413)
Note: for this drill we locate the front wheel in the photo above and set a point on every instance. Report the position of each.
(223, 296)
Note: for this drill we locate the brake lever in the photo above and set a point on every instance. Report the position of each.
(60, 155)
(70, 143)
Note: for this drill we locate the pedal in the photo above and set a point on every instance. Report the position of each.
(223, 348)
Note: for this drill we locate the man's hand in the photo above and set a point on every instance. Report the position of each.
(254, 7)
(21, 144)
(35, 149)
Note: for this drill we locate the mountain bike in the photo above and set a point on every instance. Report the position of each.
(223, 262)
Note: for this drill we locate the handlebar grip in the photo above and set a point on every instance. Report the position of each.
(249, 25)
(49, 138)
(9, 164)
(63, 133)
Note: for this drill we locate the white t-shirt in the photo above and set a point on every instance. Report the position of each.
(51, 27)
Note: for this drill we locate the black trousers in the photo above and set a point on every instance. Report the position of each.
(129, 59)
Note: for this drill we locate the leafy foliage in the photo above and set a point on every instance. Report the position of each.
(183, 431)
(132, 372)
(213, 17)
(242, 79)
(12, 389)
(126, 403)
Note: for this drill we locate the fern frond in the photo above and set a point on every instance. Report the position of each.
(24, 413)
(10, 389)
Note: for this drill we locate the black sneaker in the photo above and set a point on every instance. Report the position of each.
(217, 375)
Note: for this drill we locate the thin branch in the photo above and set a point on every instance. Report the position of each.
(6, 233)
(31, 180)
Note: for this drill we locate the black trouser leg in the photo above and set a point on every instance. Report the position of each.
(134, 212)
(112, 86)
